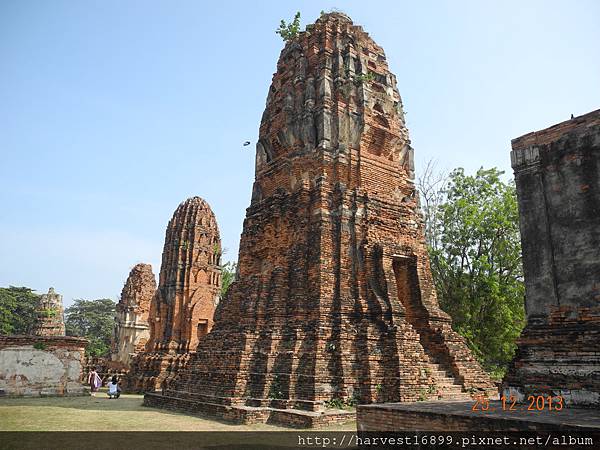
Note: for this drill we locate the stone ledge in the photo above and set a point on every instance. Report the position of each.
(57, 341)
(579, 124)
(459, 416)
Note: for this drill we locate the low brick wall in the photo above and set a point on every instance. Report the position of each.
(41, 365)
(248, 414)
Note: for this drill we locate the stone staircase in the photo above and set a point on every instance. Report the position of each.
(447, 387)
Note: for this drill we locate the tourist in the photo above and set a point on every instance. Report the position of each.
(94, 381)
(114, 391)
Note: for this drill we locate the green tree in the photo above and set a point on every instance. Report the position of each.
(227, 276)
(290, 30)
(17, 310)
(475, 250)
(94, 320)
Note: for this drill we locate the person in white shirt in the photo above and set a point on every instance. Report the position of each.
(114, 391)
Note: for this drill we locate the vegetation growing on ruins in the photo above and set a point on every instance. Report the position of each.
(17, 310)
(94, 320)
(364, 78)
(48, 312)
(472, 228)
(227, 276)
(39, 346)
(290, 30)
(276, 389)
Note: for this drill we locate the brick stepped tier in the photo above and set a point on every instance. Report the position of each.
(248, 415)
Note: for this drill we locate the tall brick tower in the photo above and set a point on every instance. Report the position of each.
(181, 312)
(334, 296)
(190, 279)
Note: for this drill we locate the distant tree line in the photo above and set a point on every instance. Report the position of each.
(17, 310)
(94, 320)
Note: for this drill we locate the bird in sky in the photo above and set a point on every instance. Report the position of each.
(246, 143)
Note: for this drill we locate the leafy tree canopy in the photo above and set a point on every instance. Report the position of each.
(94, 320)
(17, 310)
(472, 227)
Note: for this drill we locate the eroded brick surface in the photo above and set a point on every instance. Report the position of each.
(557, 172)
(132, 330)
(334, 298)
(181, 312)
(41, 365)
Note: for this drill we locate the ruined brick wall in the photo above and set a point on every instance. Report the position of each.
(334, 297)
(50, 315)
(182, 310)
(41, 365)
(131, 318)
(557, 172)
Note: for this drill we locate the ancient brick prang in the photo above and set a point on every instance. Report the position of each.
(334, 298)
(557, 172)
(131, 319)
(181, 312)
(50, 315)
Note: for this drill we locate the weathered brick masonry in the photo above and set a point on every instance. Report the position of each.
(50, 314)
(557, 172)
(132, 330)
(334, 297)
(41, 365)
(181, 312)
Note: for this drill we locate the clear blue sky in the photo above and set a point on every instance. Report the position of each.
(113, 112)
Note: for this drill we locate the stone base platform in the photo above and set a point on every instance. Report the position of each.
(294, 418)
(459, 416)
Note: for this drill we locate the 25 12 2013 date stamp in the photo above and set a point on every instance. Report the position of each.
(534, 403)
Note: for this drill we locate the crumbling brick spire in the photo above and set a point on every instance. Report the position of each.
(131, 320)
(334, 298)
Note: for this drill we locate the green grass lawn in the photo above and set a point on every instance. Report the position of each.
(101, 414)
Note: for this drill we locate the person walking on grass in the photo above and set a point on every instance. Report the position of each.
(114, 391)
(94, 381)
